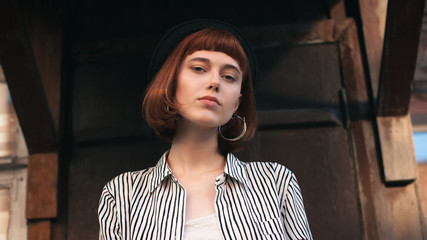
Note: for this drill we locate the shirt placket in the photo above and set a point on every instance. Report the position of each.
(180, 209)
(219, 187)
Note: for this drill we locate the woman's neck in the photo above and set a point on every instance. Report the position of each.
(194, 151)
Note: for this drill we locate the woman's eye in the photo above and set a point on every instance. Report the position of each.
(229, 77)
(198, 69)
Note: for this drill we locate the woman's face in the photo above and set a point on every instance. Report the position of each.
(208, 88)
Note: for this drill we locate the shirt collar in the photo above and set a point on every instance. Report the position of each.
(160, 171)
(236, 169)
(233, 168)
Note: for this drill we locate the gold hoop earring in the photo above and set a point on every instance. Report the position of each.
(241, 134)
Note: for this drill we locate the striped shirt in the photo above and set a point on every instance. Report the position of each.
(256, 200)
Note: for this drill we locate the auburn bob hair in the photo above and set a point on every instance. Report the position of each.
(159, 105)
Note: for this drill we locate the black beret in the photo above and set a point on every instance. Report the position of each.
(177, 33)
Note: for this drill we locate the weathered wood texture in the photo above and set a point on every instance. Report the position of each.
(353, 73)
(403, 26)
(380, 210)
(404, 211)
(373, 200)
(371, 195)
(397, 148)
(43, 22)
(373, 16)
(39, 230)
(337, 9)
(42, 186)
(23, 79)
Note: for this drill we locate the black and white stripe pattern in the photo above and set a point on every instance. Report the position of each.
(257, 200)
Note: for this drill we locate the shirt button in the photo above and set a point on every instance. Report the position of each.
(220, 179)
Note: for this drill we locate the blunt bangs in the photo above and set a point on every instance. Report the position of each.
(214, 39)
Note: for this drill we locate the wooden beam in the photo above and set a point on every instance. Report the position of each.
(397, 148)
(39, 230)
(402, 33)
(23, 79)
(403, 26)
(42, 189)
(405, 212)
(373, 17)
(43, 22)
(337, 9)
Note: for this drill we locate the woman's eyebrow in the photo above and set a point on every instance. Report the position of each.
(227, 66)
(200, 59)
(206, 60)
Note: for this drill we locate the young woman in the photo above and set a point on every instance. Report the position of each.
(201, 99)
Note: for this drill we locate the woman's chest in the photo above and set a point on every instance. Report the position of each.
(242, 213)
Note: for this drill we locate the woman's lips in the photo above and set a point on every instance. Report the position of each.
(210, 100)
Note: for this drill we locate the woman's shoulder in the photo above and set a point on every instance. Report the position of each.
(266, 169)
(127, 179)
(261, 165)
(144, 178)
(269, 166)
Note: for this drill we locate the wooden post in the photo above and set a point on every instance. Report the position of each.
(42, 186)
(402, 34)
(23, 79)
(28, 95)
(373, 17)
(386, 211)
(403, 26)
(39, 230)
(397, 148)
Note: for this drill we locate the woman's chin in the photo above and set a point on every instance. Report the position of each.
(208, 124)
(205, 122)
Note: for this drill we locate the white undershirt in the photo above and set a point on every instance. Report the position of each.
(205, 228)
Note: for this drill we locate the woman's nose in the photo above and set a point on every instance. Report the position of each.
(215, 82)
